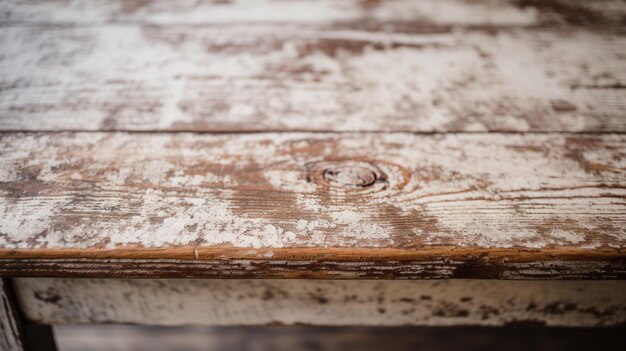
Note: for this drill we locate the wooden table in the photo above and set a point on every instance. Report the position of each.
(364, 150)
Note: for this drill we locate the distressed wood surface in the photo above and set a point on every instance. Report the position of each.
(313, 205)
(599, 13)
(320, 302)
(414, 66)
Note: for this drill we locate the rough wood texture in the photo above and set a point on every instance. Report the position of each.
(417, 66)
(318, 302)
(444, 262)
(314, 205)
(599, 13)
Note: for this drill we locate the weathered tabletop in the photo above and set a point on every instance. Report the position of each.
(317, 139)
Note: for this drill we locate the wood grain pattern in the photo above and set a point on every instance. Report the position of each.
(322, 302)
(599, 13)
(336, 205)
(443, 263)
(414, 66)
(361, 205)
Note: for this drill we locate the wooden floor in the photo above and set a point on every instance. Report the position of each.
(127, 338)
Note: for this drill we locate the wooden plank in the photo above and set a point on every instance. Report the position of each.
(17, 334)
(599, 13)
(313, 204)
(416, 66)
(324, 302)
(10, 325)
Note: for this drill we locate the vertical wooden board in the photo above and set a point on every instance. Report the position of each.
(17, 333)
(11, 334)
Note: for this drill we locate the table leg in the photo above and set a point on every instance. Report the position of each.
(16, 333)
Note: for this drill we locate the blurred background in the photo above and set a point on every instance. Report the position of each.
(278, 338)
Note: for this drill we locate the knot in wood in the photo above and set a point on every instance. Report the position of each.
(351, 176)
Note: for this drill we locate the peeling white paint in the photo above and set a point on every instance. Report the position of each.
(245, 11)
(292, 66)
(111, 190)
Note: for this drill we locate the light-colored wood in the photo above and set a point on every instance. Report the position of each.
(415, 66)
(362, 205)
(319, 302)
(599, 13)
(163, 12)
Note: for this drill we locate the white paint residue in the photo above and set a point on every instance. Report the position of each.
(302, 224)
(171, 111)
(301, 65)
(353, 223)
(255, 11)
(289, 180)
(567, 236)
(88, 189)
